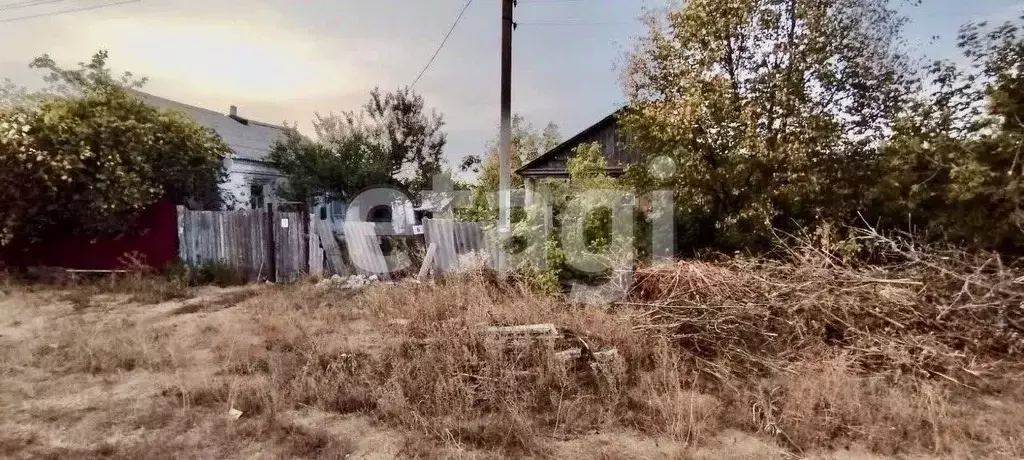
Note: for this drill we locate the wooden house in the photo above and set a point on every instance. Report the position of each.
(553, 163)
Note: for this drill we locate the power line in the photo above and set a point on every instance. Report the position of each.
(72, 10)
(19, 5)
(438, 51)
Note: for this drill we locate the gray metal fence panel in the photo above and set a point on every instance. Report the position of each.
(452, 239)
(364, 249)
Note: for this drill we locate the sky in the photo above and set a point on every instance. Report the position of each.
(284, 60)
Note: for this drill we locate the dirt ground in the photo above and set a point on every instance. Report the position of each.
(105, 376)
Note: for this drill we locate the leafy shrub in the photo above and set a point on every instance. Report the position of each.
(549, 261)
(101, 153)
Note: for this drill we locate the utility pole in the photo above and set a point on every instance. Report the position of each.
(505, 147)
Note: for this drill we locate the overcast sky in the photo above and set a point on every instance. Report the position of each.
(282, 60)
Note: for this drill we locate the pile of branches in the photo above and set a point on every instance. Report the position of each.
(926, 312)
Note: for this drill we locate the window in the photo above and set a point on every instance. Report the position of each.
(380, 214)
(323, 212)
(337, 209)
(256, 198)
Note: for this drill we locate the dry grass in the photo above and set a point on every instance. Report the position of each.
(733, 359)
(435, 372)
(429, 367)
(107, 346)
(901, 358)
(141, 287)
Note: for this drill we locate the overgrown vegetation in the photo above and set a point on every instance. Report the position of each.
(558, 243)
(806, 354)
(86, 156)
(812, 371)
(799, 114)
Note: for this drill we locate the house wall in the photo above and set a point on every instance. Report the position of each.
(334, 212)
(242, 174)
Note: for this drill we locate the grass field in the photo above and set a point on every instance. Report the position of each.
(410, 371)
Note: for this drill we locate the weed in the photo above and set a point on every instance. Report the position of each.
(105, 347)
(216, 273)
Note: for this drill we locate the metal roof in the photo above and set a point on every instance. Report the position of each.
(248, 139)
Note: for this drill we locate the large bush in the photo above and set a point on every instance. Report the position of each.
(87, 160)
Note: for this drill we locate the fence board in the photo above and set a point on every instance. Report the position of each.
(316, 251)
(288, 237)
(332, 251)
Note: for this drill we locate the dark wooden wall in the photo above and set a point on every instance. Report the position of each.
(607, 134)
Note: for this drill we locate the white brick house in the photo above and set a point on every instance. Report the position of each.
(252, 182)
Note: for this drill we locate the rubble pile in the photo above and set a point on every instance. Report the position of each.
(349, 282)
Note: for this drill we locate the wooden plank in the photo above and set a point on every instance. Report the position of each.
(526, 330)
(182, 253)
(271, 237)
(221, 244)
(316, 251)
(332, 252)
(428, 261)
(291, 245)
(72, 270)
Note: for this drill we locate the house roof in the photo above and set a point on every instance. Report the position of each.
(248, 139)
(572, 143)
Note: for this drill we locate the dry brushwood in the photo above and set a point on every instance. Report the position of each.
(936, 314)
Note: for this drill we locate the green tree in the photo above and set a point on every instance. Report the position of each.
(85, 161)
(771, 110)
(334, 165)
(953, 168)
(400, 125)
(527, 143)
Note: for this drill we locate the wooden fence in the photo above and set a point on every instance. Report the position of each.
(279, 246)
(264, 244)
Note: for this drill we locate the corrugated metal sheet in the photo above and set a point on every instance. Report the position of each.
(454, 238)
(364, 249)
